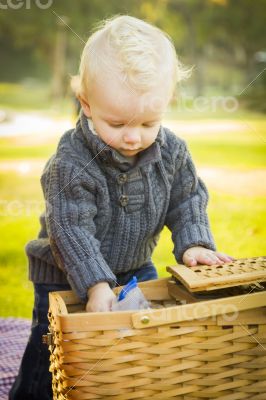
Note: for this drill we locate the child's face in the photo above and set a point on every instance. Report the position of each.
(127, 121)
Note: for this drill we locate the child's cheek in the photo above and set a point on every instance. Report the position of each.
(113, 138)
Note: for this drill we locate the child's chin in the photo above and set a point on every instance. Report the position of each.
(129, 153)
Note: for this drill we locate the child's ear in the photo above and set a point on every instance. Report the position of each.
(85, 106)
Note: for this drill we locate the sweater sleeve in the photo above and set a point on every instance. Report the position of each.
(70, 212)
(186, 216)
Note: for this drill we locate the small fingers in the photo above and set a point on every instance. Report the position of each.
(192, 262)
(209, 259)
(224, 257)
(189, 260)
(217, 259)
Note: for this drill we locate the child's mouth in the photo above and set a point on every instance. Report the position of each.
(131, 150)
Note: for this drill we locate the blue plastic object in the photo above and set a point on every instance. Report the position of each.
(132, 284)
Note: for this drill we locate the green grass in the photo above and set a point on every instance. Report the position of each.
(239, 224)
(14, 152)
(22, 97)
(228, 155)
(239, 229)
(20, 206)
(16, 295)
(186, 111)
(242, 149)
(32, 95)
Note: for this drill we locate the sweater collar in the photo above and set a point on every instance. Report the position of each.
(110, 156)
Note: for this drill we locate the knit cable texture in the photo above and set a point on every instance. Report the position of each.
(104, 217)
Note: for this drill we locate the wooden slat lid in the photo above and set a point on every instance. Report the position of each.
(205, 277)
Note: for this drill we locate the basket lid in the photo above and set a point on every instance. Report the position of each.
(211, 277)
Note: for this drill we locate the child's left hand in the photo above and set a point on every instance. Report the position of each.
(201, 255)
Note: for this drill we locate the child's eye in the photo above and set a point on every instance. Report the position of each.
(148, 125)
(117, 125)
(121, 125)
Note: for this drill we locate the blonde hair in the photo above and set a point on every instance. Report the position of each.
(140, 54)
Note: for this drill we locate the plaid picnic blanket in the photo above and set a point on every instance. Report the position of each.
(14, 333)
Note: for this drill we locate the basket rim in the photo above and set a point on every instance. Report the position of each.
(149, 317)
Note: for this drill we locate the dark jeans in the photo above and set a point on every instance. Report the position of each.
(34, 381)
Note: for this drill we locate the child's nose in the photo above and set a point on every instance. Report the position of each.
(132, 136)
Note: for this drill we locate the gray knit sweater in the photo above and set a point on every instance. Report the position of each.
(104, 216)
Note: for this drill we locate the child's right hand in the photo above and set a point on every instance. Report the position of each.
(100, 298)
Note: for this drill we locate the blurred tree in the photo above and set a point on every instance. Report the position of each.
(240, 34)
(240, 27)
(231, 31)
(193, 13)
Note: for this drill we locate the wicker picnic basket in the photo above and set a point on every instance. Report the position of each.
(203, 338)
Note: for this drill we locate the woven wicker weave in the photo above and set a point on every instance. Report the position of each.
(164, 353)
(206, 277)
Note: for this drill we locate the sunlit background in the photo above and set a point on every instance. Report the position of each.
(220, 112)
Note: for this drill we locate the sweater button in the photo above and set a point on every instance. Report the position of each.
(122, 178)
(123, 200)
